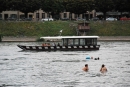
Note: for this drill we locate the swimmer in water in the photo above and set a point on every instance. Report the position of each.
(103, 69)
(85, 68)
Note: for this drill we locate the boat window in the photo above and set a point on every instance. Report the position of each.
(95, 41)
(70, 41)
(76, 41)
(82, 41)
(64, 41)
(91, 41)
(88, 41)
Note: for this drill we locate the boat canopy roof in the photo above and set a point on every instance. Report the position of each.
(69, 37)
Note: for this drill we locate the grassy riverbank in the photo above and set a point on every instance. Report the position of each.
(100, 28)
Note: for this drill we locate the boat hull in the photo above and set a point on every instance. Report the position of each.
(59, 48)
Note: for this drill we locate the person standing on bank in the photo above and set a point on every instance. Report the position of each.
(85, 68)
(103, 69)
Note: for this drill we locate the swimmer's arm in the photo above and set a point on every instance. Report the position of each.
(106, 69)
(101, 69)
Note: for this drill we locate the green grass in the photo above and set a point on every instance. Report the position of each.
(52, 28)
(117, 28)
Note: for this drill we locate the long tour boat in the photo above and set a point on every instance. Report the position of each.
(65, 43)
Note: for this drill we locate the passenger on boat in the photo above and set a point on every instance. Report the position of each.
(85, 68)
(53, 44)
(43, 44)
(58, 44)
(103, 69)
(48, 44)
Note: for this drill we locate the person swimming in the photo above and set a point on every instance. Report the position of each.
(103, 69)
(96, 58)
(85, 68)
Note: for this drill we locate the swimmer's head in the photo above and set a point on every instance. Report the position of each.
(103, 65)
(86, 65)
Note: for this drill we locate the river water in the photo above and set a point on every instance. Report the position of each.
(64, 69)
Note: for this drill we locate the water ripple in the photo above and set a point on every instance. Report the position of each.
(64, 69)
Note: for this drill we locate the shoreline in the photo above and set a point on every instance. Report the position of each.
(33, 38)
(114, 38)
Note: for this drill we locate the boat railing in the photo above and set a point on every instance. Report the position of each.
(47, 48)
(71, 47)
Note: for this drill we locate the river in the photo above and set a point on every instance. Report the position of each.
(64, 69)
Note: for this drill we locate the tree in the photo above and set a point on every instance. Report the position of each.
(78, 6)
(57, 8)
(122, 5)
(104, 6)
(3, 5)
(24, 6)
(53, 9)
(128, 7)
(64, 3)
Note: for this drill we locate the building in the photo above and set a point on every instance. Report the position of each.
(39, 14)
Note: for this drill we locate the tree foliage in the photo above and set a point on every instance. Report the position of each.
(54, 7)
(3, 5)
(122, 5)
(24, 6)
(29, 5)
(78, 6)
(103, 6)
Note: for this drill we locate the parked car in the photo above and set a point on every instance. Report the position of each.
(95, 19)
(64, 19)
(28, 19)
(124, 19)
(11, 19)
(80, 19)
(47, 19)
(1, 19)
(24, 19)
(111, 19)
